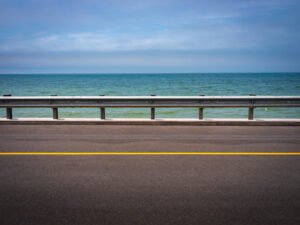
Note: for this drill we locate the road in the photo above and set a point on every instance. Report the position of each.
(158, 190)
(148, 138)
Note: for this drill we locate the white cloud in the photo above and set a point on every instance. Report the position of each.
(179, 39)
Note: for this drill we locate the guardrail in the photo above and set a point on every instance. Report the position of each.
(102, 102)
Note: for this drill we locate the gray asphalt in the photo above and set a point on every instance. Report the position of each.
(213, 190)
(148, 138)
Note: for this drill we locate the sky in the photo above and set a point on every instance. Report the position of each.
(149, 36)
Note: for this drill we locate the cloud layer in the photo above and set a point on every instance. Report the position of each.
(125, 36)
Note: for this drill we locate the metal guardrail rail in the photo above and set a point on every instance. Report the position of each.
(102, 102)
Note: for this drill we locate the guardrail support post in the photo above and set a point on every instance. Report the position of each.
(251, 109)
(102, 113)
(152, 113)
(9, 113)
(55, 113)
(201, 113)
(250, 113)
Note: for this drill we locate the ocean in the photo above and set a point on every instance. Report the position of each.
(148, 84)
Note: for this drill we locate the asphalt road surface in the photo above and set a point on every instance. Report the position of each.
(148, 138)
(158, 190)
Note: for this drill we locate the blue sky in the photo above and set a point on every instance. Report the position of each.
(115, 36)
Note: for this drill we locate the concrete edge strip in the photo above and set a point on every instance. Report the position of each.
(151, 153)
(205, 122)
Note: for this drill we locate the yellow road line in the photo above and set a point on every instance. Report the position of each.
(153, 153)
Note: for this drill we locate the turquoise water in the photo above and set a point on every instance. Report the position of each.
(159, 84)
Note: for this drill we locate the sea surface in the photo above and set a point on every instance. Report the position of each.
(158, 84)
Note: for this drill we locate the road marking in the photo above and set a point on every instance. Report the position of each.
(154, 153)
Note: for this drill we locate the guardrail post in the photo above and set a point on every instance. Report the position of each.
(250, 113)
(251, 109)
(55, 113)
(9, 113)
(201, 113)
(102, 113)
(153, 112)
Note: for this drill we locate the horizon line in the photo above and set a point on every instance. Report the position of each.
(141, 73)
